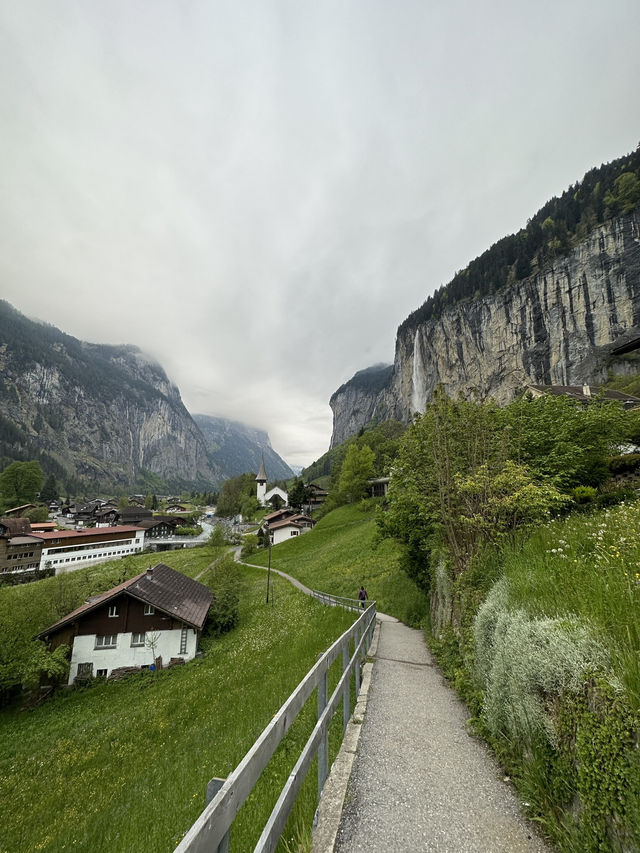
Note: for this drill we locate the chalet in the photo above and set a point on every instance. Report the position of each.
(295, 525)
(65, 550)
(316, 495)
(106, 516)
(158, 528)
(20, 551)
(279, 515)
(43, 526)
(153, 617)
(175, 507)
(584, 394)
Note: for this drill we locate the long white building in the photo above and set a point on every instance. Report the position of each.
(66, 550)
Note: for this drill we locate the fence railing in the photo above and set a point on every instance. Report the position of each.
(210, 832)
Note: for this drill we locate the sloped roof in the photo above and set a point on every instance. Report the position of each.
(16, 526)
(262, 474)
(294, 521)
(161, 586)
(86, 531)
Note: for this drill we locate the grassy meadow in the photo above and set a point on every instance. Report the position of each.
(341, 553)
(124, 766)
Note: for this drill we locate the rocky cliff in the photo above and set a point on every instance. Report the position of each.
(237, 448)
(558, 326)
(94, 415)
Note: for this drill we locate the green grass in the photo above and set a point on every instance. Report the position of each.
(122, 767)
(341, 553)
(587, 566)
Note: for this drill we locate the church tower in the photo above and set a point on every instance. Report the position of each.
(261, 481)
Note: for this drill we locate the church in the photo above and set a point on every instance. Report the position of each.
(275, 497)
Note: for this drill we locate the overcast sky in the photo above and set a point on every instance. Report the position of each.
(258, 193)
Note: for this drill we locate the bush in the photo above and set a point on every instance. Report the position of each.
(224, 581)
(626, 464)
(250, 546)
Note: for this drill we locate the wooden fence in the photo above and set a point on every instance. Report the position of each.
(210, 832)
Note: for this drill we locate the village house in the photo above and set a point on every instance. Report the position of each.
(285, 528)
(158, 527)
(65, 550)
(151, 619)
(379, 486)
(20, 551)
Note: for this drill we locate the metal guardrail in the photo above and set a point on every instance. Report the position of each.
(211, 830)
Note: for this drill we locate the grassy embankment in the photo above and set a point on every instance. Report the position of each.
(548, 657)
(121, 767)
(341, 553)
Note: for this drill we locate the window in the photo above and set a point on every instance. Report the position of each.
(101, 673)
(113, 610)
(106, 642)
(137, 639)
(149, 610)
(85, 669)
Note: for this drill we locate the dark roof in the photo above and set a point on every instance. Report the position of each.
(16, 526)
(279, 513)
(262, 474)
(87, 531)
(148, 523)
(14, 509)
(162, 587)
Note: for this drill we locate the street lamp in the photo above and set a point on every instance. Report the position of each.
(269, 568)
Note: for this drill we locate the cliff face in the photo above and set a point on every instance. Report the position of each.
(237, 448)
(558, 326)
(97, 414)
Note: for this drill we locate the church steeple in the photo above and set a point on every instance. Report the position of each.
(261, 484)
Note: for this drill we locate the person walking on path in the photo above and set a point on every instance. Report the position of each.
(362, 595)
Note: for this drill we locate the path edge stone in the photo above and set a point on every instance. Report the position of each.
(329, 811)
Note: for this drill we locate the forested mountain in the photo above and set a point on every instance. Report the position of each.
(236, 448)
(94, 416)
(561, 224)
(548, 305)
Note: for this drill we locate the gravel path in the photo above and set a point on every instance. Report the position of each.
(419, 781)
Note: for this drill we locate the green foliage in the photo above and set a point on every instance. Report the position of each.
(627, 464)
(38, 513)
(356, 470)
(344, 551)
(382, 438)
(20, 483)
(563, 440)
(583, 495)
(238, 495)
(181, 530)
(50, 490)
(298, 494)
(217, 536)
(251, 544)
(224, 578)
(165, 737)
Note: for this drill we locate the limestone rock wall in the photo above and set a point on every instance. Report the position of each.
(555, 327)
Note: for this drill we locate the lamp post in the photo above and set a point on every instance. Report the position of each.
(269, 567)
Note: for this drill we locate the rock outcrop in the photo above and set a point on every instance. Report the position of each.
(94, 415)
(558, 326)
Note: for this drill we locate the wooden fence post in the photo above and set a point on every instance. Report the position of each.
(346, 701)
(212, 789)
(323, 746)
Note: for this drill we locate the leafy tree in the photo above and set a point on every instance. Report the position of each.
(20, 483)
(50, 490)
(233, 492)
(38, 513)
(356, 470)
(563, 440)
(454, 485)
(298, 494)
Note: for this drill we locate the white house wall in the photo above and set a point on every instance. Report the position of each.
(282, 534)
(63, 559)
(124, 654)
